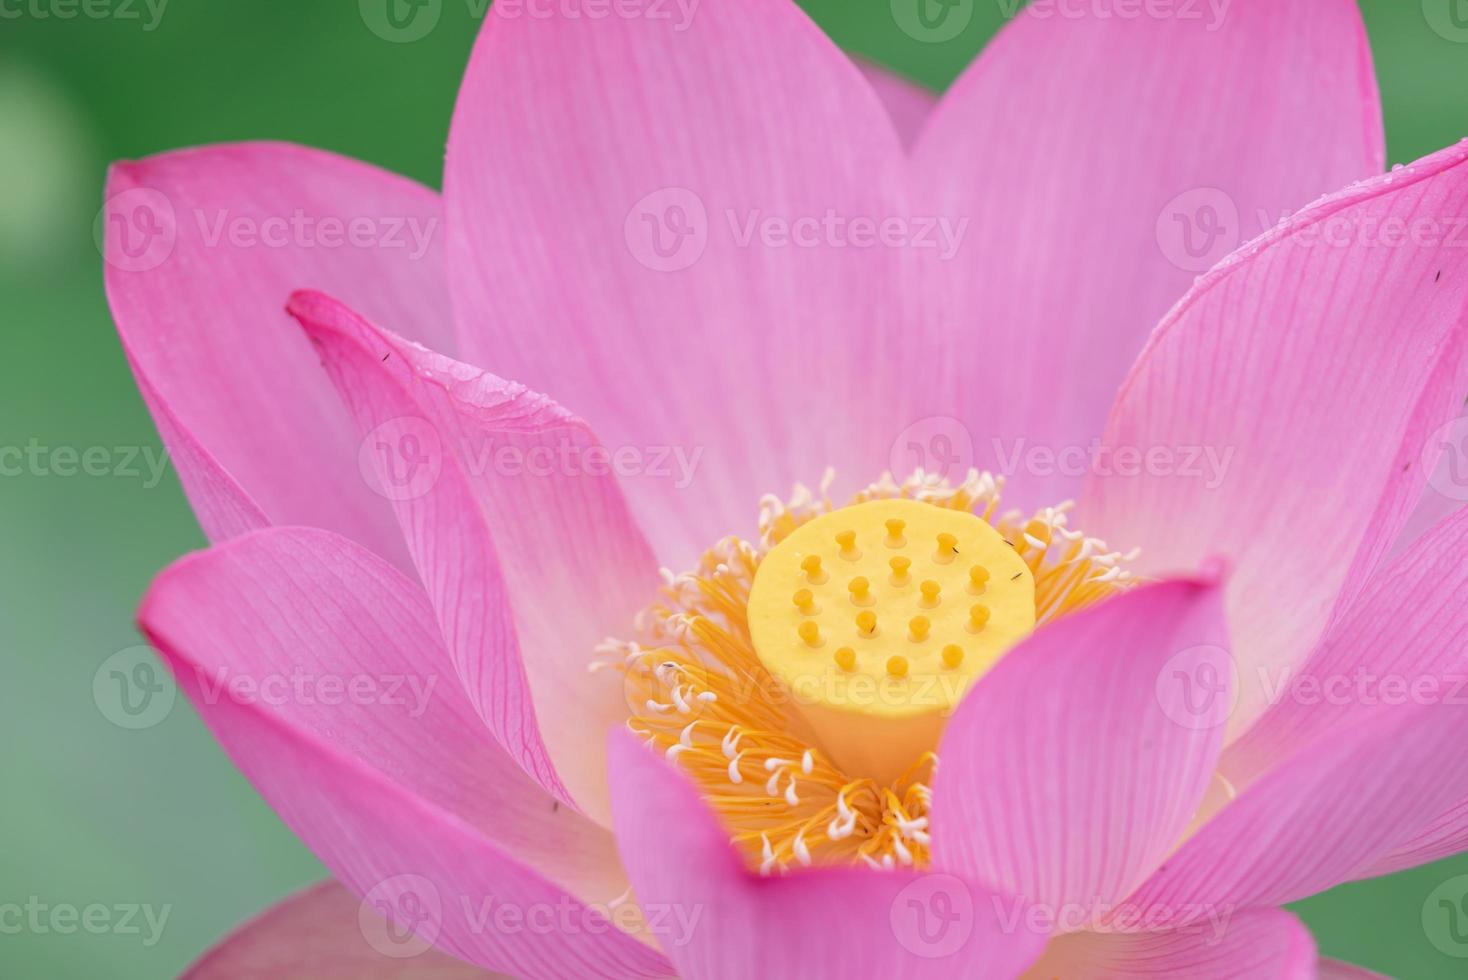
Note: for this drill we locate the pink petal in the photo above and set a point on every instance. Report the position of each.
(256, 432)
(318, 668)
(573, 138)
(1268, 943)
(1314, 365)
(908, 104)
(1440, 835)
(1434, 507)
(316, 935)
(816, 924)
(1075, 144)
(1069, 772)
(1319, 819)
(1399, 645)
(520, 535)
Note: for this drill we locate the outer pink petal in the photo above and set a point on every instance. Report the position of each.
(908, 104)
(1069, 772)
(1313, 366)
(576, 141)
(203, 247)
(1319, 819)
(319, 669)
(519, 532)
(1400, 644)
(819, 924)
(1083, 148)
(1268, 944)
(316, 934)
(1442, 834)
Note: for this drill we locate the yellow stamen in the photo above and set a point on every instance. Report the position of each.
(895, 527)
(700, 693)
(899, 568)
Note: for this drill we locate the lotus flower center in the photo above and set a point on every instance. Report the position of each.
(878, 617)
(802, 680)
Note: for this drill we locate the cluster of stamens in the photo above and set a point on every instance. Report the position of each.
(885, 603)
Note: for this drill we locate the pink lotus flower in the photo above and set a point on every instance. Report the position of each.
(707, 243)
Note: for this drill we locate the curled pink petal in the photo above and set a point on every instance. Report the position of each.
(721, 921)
(1321, 818)
(1397, 647)
(520, 533)
(203, 248)
(1091, 732)
(319, 669)
(1313, 367)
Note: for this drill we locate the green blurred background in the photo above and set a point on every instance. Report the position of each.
(94, 813)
